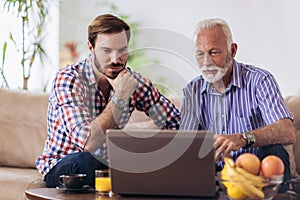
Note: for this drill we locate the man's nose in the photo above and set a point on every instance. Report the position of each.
(207, 60)
(114, 57)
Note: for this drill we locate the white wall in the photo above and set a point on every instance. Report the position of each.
(267, 33)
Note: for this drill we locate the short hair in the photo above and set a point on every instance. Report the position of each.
(209, 23)
(107, 23)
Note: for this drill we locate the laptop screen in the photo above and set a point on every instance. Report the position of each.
(161, 162)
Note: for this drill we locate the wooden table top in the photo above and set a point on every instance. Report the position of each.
(55, 194)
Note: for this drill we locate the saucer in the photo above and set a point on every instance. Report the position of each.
(85, 188)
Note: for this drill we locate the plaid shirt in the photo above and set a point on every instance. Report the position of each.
(75, 101)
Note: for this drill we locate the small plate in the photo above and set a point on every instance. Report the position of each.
(85, 188)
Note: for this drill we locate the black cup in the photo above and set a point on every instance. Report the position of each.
(72, 181)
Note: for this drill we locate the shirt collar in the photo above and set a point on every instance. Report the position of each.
(237, 76)
(88, 70)
(236, 79)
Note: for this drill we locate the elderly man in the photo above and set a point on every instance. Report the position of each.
(241, 104)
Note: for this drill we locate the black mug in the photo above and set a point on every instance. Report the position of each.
(72, 181)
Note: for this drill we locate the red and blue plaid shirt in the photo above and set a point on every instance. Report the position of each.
(75, 101)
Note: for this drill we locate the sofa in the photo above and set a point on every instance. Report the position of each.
(23, 131)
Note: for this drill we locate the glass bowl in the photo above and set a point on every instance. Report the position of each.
(294, 185)
(245, 190)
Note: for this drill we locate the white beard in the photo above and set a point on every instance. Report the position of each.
(212, 78)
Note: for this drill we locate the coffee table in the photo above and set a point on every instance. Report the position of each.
(54, 194)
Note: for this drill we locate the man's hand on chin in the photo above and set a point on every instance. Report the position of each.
(124, 84)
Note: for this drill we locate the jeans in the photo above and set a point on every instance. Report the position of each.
(76, 163)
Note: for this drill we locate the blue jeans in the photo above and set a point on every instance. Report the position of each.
(76, 163)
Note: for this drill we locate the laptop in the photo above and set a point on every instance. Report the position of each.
(161, 162)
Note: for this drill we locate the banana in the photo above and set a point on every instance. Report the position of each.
(241, 182)
(256, 180)
(229, 162)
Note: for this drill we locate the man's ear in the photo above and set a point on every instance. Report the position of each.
(233, 49)
(90, 46)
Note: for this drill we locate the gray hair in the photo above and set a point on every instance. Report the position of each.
(209, 23)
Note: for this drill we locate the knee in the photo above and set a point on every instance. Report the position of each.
(276, 149)
(279, 151)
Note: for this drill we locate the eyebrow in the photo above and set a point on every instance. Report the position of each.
(104, 47)
(212, 49)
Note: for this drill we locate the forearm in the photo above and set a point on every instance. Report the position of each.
(106, 120)
(281, 132)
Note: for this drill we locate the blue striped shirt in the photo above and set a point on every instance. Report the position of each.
(251, 100)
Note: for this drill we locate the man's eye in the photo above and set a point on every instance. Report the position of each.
(214, 53)
(106, 50)
(121, 51)
(199, 54)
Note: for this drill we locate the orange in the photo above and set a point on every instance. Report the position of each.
(249, 162)
(272, 165)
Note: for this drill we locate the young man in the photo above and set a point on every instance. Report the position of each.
(92, 96)
(241, 104)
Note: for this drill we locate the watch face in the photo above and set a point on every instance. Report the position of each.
(121, 102)
(251, 137)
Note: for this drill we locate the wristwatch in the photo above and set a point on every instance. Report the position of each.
(121, 103)
(249, 137)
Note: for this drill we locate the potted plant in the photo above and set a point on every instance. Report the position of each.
(33, 14)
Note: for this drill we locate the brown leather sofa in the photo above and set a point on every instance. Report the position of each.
(23, 131)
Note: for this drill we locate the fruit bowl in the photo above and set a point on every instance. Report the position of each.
(242, 189)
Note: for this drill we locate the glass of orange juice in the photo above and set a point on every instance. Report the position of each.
(102, 181)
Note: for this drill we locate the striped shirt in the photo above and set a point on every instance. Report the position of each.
(75, 101)
(251, 100)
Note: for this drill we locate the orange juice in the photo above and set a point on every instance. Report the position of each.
(103, 184)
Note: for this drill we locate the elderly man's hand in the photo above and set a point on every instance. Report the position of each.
(225, 143)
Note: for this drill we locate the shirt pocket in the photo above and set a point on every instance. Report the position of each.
(241, 124)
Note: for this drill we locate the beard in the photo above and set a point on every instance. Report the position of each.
(215, 77)
(102, 70)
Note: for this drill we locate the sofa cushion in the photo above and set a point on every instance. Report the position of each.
(15, 181)
(139, 120)
(296, 149)
(293, 103)
(23, 127)
(293, 168)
